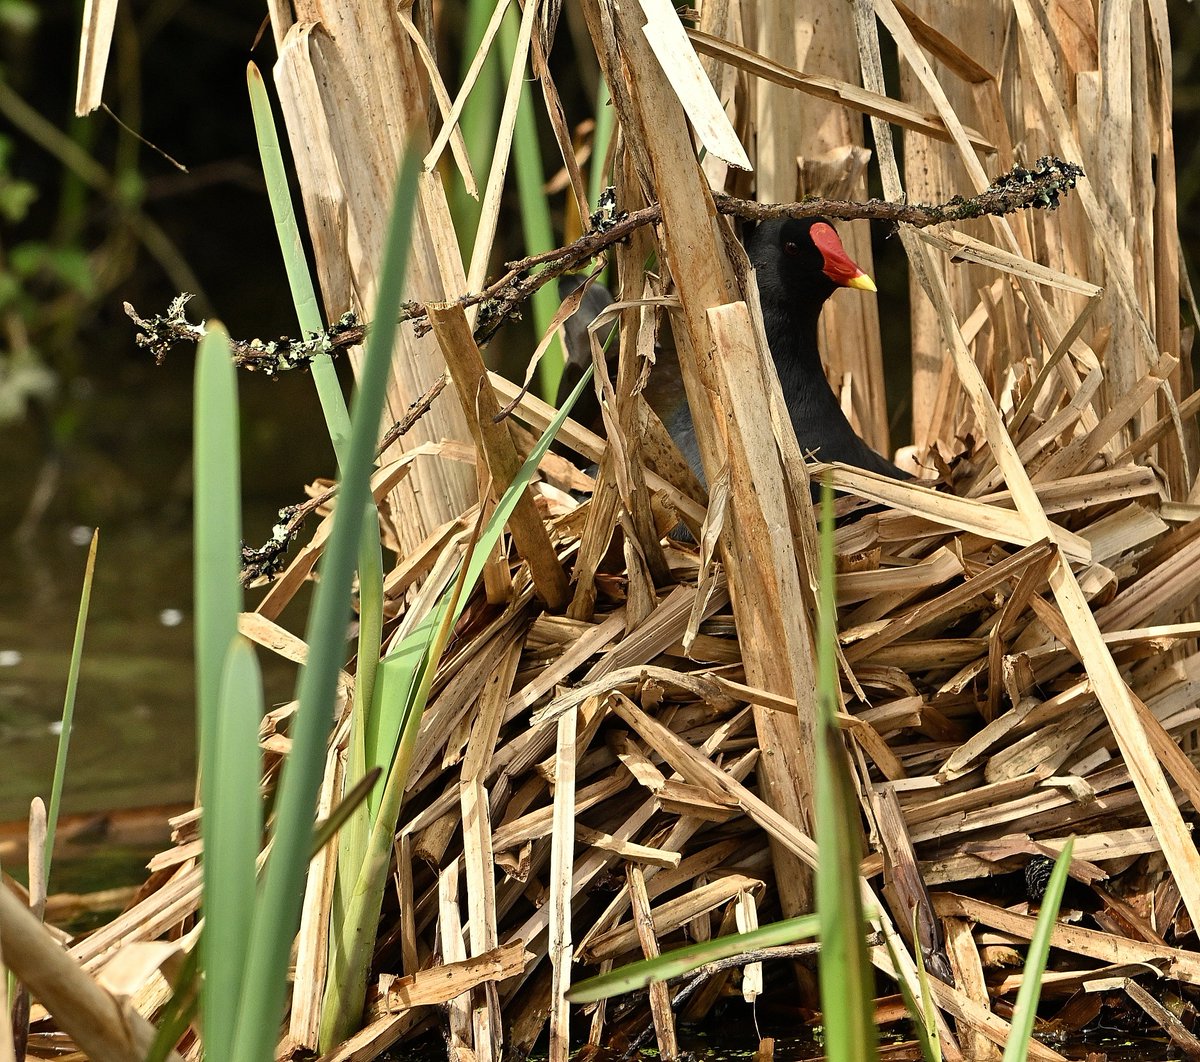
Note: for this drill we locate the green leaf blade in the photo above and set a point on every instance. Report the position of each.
(403, 686)
(218, 600)
(681, 961)
(278, 911)
(1025, 1010)
(304, 294)
(233, 838)
(68, 712)
(845, 972)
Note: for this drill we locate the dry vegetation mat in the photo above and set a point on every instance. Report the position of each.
(619, 734)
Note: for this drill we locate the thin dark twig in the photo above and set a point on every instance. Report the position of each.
(733, 962)
(416, 410)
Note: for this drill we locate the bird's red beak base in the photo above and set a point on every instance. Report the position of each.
(839, 266)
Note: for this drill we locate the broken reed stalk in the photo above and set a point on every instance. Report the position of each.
(496, 448)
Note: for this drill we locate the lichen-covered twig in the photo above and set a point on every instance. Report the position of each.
(263, 563)
(1020, 189)
(416, 410)
(273, 356)
(266, 561)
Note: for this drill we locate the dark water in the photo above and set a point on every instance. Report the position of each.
(111, 447)
(133, 737)
(126, 470)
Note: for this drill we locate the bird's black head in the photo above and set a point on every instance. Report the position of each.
(801, 260)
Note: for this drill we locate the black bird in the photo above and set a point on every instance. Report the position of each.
(798, 263)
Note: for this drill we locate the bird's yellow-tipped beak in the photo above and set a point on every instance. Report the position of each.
(839, 266)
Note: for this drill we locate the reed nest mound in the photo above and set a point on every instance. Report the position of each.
(619, 734)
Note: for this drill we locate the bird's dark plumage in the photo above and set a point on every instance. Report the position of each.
(799, 264)
(579, 348)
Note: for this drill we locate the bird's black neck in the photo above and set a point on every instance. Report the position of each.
(793, 332)
(817, 418)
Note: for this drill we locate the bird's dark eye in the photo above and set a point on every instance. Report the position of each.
(791, 248)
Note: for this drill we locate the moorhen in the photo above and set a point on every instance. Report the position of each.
(798, 263)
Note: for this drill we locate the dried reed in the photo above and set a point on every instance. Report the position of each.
(1018, 649)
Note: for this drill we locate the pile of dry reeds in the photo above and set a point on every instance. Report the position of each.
(1019, 653)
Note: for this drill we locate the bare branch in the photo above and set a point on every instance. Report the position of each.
(1019, 189)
